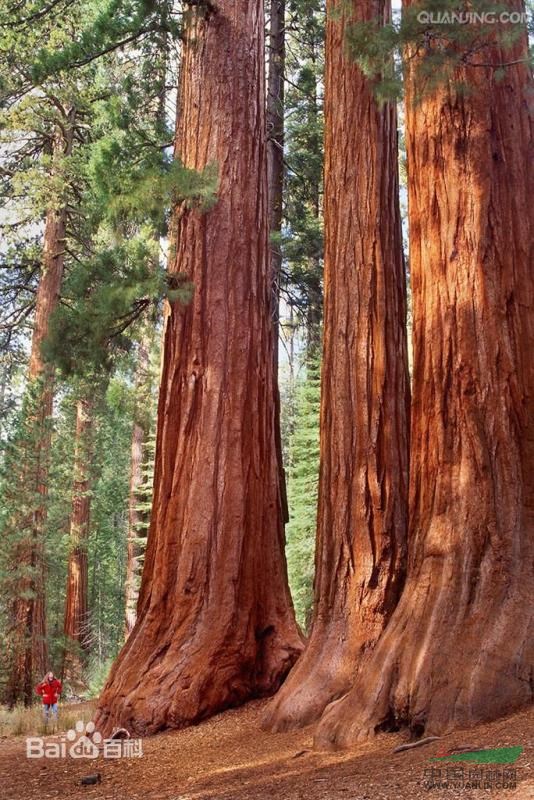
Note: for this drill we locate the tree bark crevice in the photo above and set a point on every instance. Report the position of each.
(459, 648)
(215, 622)
(363, 482)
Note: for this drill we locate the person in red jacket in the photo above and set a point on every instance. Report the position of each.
(49, 689)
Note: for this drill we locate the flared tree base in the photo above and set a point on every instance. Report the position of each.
(160, 681)
(325, 672)
(447, 660)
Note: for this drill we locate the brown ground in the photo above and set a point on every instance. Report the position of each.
(229, 758)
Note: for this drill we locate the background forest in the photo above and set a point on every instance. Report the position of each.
(88, 111)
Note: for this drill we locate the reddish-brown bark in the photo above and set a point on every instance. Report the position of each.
(28, 632)
(459, 647)
(215, 623)
(136, 518)
(362, 516)
(76, 624)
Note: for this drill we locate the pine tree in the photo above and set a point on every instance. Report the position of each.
(138, 508)
(301, 248)
(107, 545)
(303, 468)
(302, 230)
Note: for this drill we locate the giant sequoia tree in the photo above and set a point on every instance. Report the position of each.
(215, 622)
(459, 647)
(363, 480)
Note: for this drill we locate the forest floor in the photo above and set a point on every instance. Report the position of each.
(229, 758)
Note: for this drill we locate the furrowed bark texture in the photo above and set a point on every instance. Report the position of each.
(76, 621)
(215, 621)
(459, 648)
(362, 515)
(28, 633)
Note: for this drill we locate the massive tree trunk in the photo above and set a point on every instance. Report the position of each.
(28, 632)
(275, 181)
(76, 625)
(363, 482)
(215, 623)
(136, 517)
(459, 648)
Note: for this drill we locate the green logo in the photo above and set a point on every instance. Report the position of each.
(498, 755)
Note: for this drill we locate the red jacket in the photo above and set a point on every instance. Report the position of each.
(49, 691)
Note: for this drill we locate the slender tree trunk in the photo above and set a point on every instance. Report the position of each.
(275, 147)
(215, 623)
(314, 316)
(136, 517)
(460, 646)
(28, 632)
(363, 483)
(75, 629)
(275, 179)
